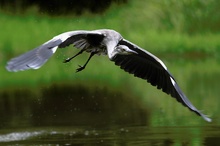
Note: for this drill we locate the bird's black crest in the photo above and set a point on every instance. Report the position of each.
(123, 42)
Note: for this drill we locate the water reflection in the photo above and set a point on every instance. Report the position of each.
(68, 114)
(117, 136)
(66, 105)
(19, 136)
(15, 108)
(80, 105)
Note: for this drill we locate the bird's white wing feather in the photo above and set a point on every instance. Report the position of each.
(37, 57)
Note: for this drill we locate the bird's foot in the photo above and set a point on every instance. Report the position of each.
(80, 68)
(67, 60)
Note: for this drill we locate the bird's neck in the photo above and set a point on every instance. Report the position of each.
(111, 49)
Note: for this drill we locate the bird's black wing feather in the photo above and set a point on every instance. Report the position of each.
(147, 66)
(83, 40)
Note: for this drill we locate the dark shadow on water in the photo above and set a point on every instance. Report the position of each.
(70, 105)
(16, 108)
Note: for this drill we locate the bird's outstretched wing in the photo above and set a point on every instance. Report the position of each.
(35, 58)
(145, 65)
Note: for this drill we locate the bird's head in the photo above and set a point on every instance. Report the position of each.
(124, 50)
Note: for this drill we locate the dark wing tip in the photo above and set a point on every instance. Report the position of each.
(147, 66)
(185, 101)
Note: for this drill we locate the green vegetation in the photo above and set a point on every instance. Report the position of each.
(137, 21)
(24, 32)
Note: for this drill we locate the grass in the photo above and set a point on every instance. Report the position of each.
(24, 32)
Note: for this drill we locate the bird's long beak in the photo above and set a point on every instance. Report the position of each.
(131, 51)
(126, 50)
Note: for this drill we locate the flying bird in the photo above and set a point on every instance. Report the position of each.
(130, 57)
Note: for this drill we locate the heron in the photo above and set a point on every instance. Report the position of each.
(130, 57)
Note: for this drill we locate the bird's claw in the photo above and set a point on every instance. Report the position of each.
(80, 68)
(66, 60)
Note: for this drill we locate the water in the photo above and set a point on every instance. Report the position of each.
(73, 114)
(61, 119)
(117, 136)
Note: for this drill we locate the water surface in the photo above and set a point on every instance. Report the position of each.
(119, 135)
(78, 114)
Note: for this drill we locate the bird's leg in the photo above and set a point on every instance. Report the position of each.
(83, 67)
(69, 59)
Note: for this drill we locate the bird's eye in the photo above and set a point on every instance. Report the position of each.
(123, 50)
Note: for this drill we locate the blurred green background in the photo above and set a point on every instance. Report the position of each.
(184, 34)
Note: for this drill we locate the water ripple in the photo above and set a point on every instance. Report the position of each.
(18, 136)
